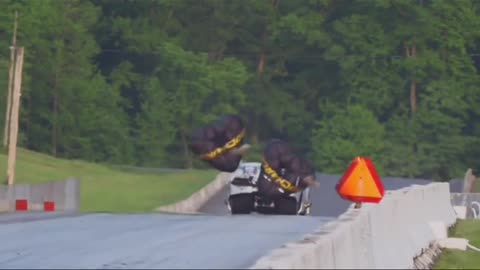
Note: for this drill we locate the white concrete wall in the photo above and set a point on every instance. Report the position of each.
(195, 201)
(377, 236)
(64, 193)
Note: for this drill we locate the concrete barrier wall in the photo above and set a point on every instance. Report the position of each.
(65, 194)
(383, 236)
(194, 202)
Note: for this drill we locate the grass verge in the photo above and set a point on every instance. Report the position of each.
(457, 259)
(107, 189)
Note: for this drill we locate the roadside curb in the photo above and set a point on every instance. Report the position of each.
(197, 199)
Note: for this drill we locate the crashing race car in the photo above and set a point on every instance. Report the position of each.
(244, 197)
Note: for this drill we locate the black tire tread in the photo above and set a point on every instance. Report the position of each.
(286, 206)
(241, 204)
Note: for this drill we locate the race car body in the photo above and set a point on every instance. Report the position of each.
(244, 197)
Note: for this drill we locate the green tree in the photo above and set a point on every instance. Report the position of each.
(197, 90)
(65, 103)
(344, 134)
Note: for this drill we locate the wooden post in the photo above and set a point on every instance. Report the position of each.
(468, 181)
(17, 85)
(10, 82)
(471, 183)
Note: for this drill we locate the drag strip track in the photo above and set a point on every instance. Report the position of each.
(325, 199)
(148, 240)
(17, 217)
(213, 239)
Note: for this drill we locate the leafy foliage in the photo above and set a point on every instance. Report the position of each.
(127, 82)
(345, 133)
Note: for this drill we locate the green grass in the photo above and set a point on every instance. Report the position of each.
(457, 259)
(105, 189)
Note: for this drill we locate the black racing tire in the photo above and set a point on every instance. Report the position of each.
(241, 204)
(286, 206)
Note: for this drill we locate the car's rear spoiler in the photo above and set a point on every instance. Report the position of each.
(239, 181)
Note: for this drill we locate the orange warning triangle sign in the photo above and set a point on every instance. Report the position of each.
(361, 183)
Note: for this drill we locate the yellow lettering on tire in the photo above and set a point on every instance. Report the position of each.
(220, 150)
(283, 183)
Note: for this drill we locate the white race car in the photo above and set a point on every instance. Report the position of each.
(244, 197)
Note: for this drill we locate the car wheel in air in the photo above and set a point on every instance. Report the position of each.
(286, 206)
(241, 204)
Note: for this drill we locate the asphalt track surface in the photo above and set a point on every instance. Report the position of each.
(147, 241)
(212, 240)
(8, 218)
(325, 200)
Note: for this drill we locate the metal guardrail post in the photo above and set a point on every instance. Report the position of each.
(476, 215)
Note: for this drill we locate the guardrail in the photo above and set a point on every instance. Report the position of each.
(475, 206)
(60, 195)
(388, 235)
(471, 202)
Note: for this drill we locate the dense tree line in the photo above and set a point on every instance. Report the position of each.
(127, 81)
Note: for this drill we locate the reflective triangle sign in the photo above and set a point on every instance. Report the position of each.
(361, 183)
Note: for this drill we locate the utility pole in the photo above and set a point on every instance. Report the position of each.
(17, 86)
(10, 82)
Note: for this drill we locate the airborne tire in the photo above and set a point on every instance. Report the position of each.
(241, 204)
(286, 206)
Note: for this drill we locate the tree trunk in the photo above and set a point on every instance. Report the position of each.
(413, 96)
(275, 3)
(262, 56)
(261, 63)
(254, 129)
(186, 151)
(411, 52)
(445, 49)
